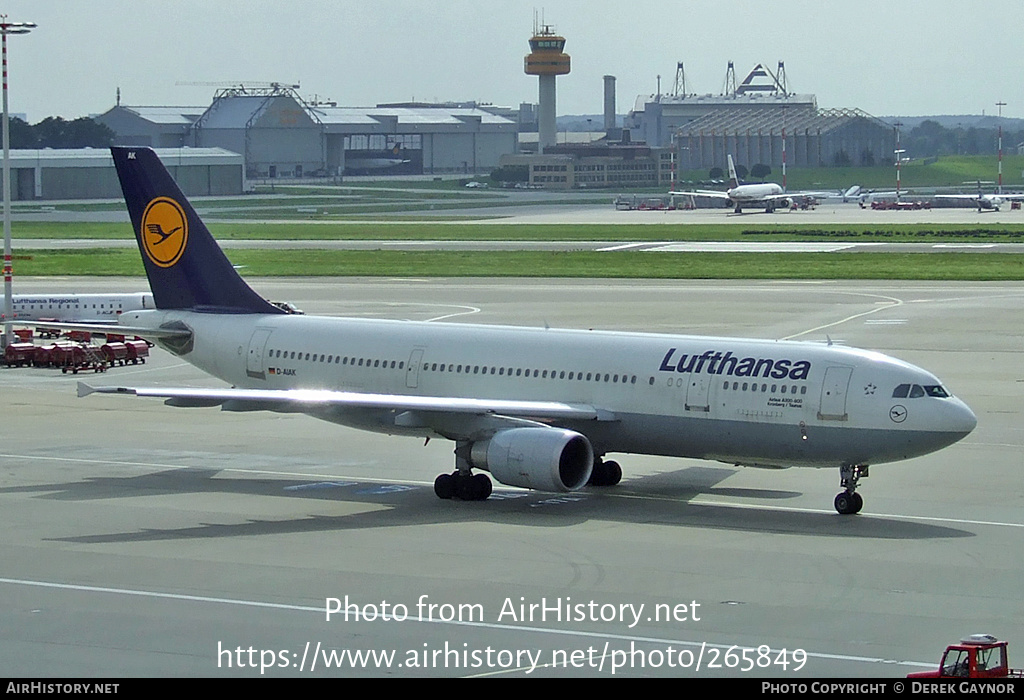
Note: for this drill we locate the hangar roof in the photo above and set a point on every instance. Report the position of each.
(166, 115)
(792, 120)
(338, 119)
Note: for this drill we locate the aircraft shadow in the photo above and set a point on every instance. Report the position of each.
(663, 499)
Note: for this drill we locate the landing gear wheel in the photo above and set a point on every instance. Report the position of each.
(858, 501)
(605, 473)
(465, 487)
(843, 504)
(482, 486)
(444, 486)
(847, 503)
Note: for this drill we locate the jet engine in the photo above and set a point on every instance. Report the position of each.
(546, 459)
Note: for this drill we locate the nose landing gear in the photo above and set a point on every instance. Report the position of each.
(849, 502)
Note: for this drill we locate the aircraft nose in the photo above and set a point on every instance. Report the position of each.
(961, 419)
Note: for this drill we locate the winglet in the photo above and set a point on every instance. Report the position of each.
(84, 389)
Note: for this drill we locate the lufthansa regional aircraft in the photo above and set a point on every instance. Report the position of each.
(766, 194)
(536, 407)
(92, 308)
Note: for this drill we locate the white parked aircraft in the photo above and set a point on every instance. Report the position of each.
(91, 308)
(984, 202)
(536, 407)
(767, 195)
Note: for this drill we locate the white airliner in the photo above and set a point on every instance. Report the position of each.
(91, 308)
(984, 202)
(536, 407)
(768, 195)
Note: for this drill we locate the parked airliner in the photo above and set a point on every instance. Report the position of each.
(984, 202)
(92, 308)
(768, 195)
(536, 407)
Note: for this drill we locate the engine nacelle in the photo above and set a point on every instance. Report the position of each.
(546, 459)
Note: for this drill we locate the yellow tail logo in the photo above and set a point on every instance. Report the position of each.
(164, 231)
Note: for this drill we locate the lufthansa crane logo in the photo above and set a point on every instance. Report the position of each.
(164, 231)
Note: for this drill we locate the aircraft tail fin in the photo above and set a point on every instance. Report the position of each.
(733, 180)
(185, 266)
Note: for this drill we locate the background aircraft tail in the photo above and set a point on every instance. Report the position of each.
(733, 180)
(185, 266)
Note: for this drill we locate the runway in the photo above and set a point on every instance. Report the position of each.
(144, 540)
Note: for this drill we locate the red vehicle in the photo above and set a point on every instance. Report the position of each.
(138, 351)
(19, 354)
(976, 656)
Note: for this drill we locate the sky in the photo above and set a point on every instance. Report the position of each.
(911, 58)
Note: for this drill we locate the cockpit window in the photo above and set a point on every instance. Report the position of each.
(916, 391)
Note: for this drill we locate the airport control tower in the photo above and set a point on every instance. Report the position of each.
(546, 61)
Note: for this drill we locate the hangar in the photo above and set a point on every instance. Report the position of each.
(751, 119)
(279, 134)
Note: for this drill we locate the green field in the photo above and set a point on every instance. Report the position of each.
(622, 264)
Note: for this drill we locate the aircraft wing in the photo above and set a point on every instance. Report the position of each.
(975, 198)
(312, 400)
(718, 194)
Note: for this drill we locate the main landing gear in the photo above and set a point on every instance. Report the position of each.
(849, 502)
(463, 485)
(466, 486)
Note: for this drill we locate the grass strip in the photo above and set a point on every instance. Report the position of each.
(570, 264)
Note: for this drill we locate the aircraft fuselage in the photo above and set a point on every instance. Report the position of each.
(741, 401)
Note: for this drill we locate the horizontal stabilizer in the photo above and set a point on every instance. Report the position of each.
(141, 331)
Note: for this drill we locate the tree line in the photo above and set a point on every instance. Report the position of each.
(55, 132)
(930, 139)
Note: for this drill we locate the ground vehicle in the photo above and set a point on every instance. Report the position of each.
(976, 656)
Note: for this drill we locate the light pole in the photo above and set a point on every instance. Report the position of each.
(5, 29)
(1000, 105)
(899, 156)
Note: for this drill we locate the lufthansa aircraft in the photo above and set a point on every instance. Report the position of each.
(536, 407)
(91, 308)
